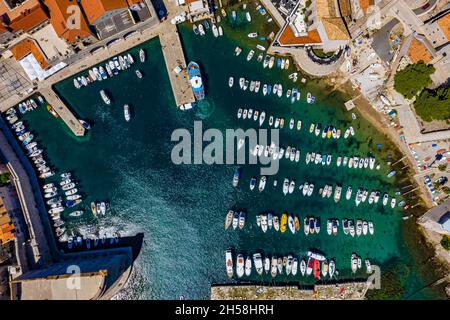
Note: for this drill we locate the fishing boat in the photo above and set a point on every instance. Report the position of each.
(258, 263)
(252, 35)
(72, 203)
(266, 264)
(248, 266)
(365, 227)
(291, 186)
(229, 263)
(196, 81)
(229, 219)
(286, 186)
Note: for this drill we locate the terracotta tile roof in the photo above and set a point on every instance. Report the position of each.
(335, 29)
(17, 11)
(346, 9)
(418, 51)
(94, 9)
(29, 19)
(365, 4)
(59, 17)
(26, 47)
(333, 24)
(131, 2)
(444, 24)
(288, 37)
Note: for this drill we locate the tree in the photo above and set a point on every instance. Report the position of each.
(433, 105)
(4, 178)
(413, 79)
(445, 242)
(442, 167)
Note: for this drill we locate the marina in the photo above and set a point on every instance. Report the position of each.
(126, 154)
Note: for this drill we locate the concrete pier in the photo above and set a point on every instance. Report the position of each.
(63, 111)
(174, 56)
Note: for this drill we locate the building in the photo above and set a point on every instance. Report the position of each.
(437, 30)
(314, 23)
(197, 9)
(33, 60)
(83, 276)
(7, 230)
(69, 22)
(26, 17)
(437, 219)
(107, 18)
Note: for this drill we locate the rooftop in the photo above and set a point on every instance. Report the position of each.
(64, 24)
(288, 37)
(444, 24)
(27, 46)
(94, 9)
(28, 19)
(418, 51)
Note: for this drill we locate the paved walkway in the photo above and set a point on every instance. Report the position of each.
(38, 243)
(274, 12)
(306, 64)
(63, 111)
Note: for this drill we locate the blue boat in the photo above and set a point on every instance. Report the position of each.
(391, 174)
(196, 81)
(269, 89)
(206, 24)
(279, 62)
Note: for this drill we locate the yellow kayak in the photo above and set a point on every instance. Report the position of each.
(329, 133)
(283, 223)
(224, 13)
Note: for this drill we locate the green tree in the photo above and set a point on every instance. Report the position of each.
(413, 79)
(445, 242)
(4, 178)
(433, 105)
(442, 167)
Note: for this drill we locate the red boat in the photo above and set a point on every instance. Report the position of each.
(316, 269)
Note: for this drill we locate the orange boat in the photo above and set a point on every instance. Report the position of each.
(316, 269)
(52, 111)
(283, 223)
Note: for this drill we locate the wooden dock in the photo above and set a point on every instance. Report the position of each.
(174, 57)
(63, 111)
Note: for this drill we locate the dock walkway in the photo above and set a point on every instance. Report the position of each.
(63, 111)
(174, 56)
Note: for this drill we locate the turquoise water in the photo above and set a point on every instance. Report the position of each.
(181, 209)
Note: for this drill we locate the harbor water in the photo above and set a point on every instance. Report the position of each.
(181, 208)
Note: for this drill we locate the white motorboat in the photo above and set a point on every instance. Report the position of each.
(286, 186)
(105, 97)
(230, 82)
(126, 112)
(229, 263)
(250, 55)
(240, 265)
(262, 183)
(248, 266)
(257, 260)
(303, 267)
